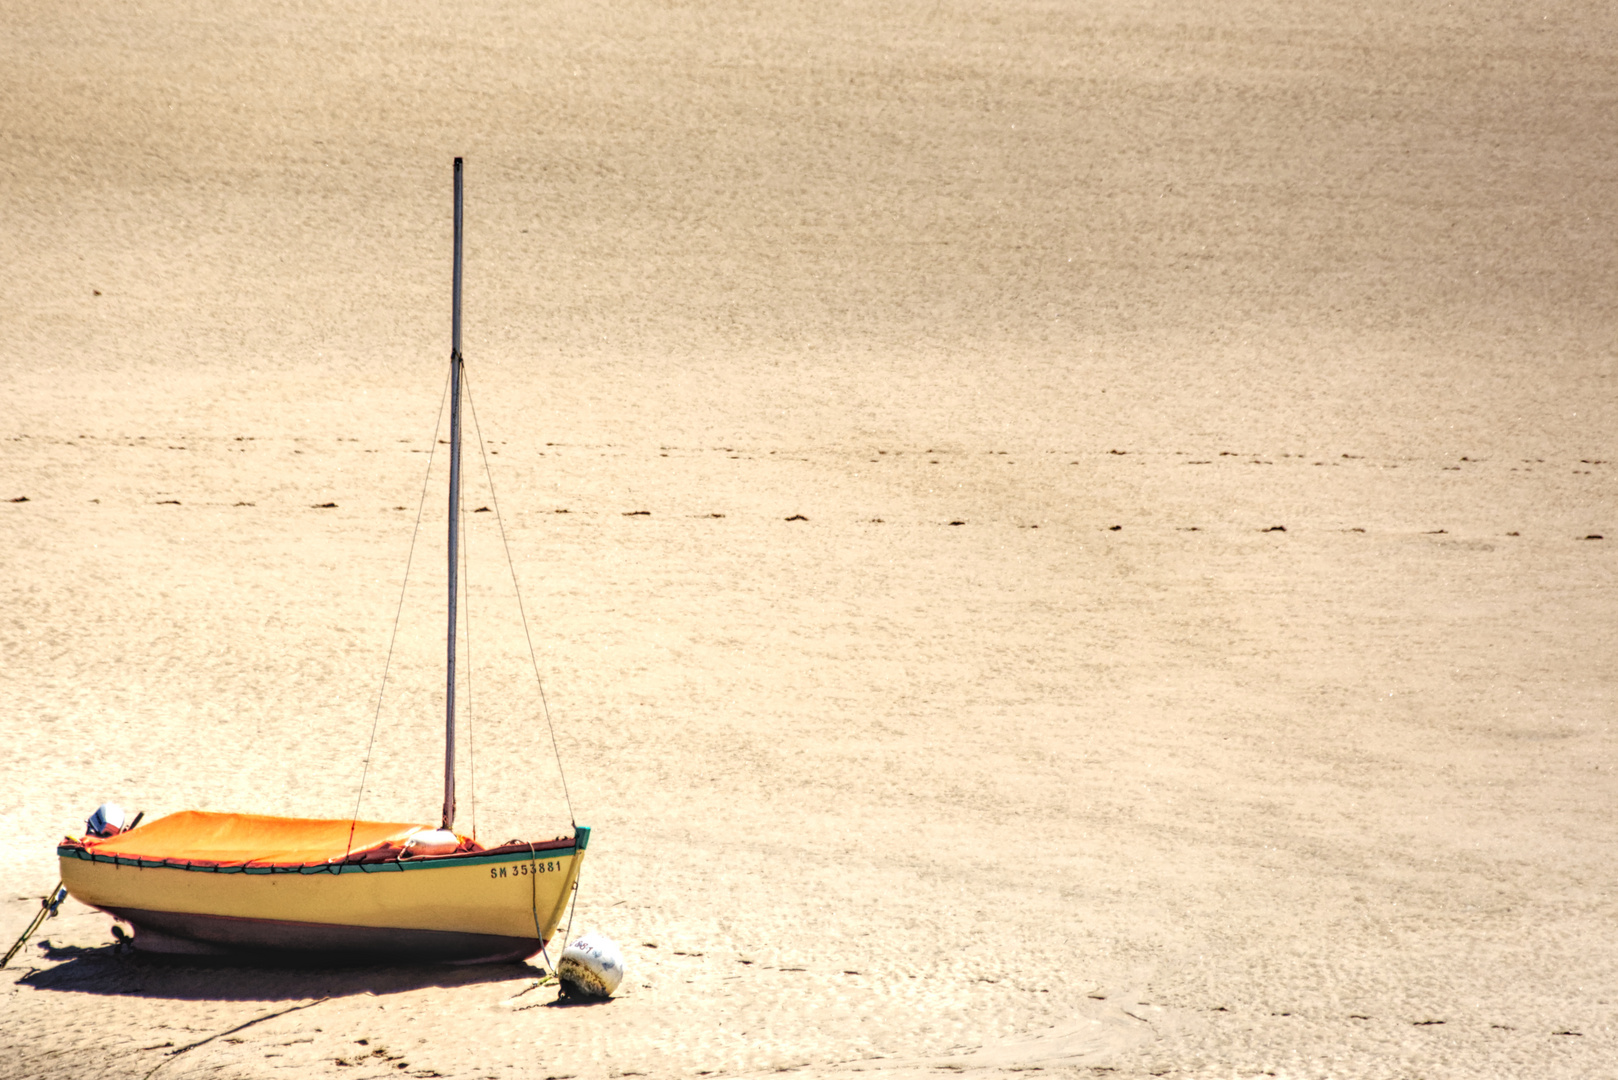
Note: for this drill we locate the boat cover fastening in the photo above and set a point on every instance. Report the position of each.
(201, 837)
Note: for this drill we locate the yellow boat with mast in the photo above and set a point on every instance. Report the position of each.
(202, 882)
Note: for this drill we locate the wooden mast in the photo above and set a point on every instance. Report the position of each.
(454, 509)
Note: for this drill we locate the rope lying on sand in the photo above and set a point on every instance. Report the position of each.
(47, 910)
(172, 1054)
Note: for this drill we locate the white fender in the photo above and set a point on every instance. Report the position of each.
(431, 842)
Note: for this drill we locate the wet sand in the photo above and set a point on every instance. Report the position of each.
(1191, 655)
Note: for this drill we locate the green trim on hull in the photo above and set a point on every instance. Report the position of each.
(429, 862)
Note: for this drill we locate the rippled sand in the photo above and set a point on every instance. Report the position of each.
(1119, 584)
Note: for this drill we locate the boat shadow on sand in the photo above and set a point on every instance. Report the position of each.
(111, 971)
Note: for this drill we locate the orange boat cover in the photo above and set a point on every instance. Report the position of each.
(197, 836)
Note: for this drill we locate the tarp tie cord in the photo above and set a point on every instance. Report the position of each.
(494, 501)
(432, 449)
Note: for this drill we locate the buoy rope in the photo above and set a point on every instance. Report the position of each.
(533, 897)
(432, 449)
(574, 906)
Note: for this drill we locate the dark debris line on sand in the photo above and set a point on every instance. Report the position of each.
(230, 1031)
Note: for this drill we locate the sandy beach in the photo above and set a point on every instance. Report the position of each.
(1072, 540)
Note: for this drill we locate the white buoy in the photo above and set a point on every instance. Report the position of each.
(431, 842)
(108, 820)
(592, 966)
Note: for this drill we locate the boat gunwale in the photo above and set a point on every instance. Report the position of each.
(505, 853)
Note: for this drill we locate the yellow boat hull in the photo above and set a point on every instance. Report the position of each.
(474, 906)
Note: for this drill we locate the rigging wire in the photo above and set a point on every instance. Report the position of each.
(494, 500)
(466, 603)
(394, 636)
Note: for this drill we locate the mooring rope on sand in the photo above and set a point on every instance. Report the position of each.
(47, 910)
(172, 1054)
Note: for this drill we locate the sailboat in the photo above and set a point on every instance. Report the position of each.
(210, 883)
